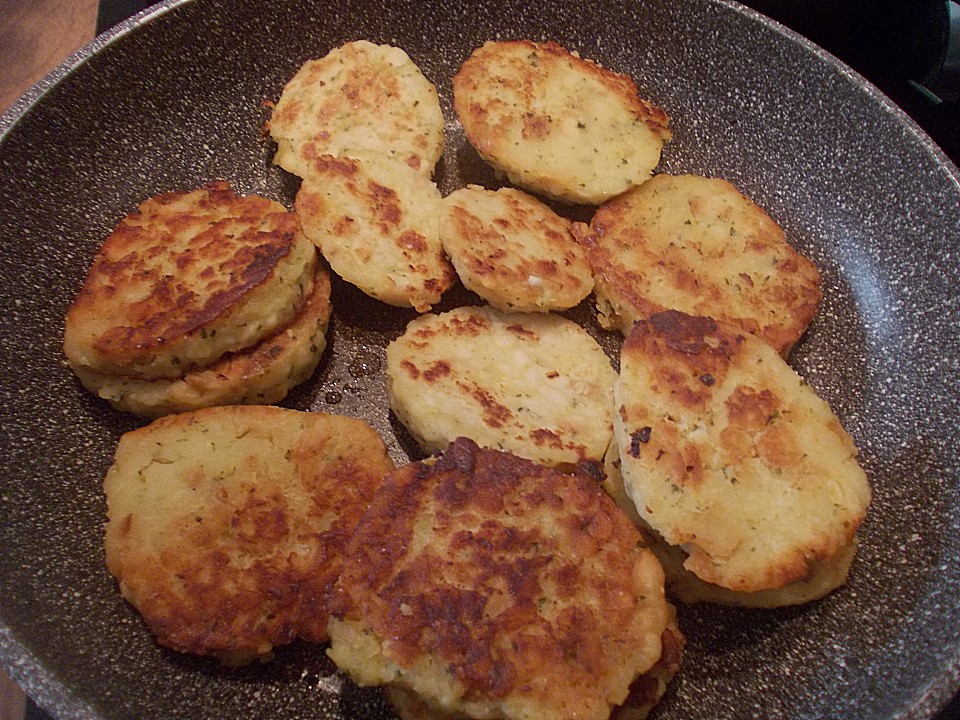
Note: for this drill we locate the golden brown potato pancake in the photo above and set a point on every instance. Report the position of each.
(727, 453)
(489, 585)
(187, 278)
(557, 124)
(226, 526)
(698, 245)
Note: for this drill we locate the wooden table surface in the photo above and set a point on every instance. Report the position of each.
(35, 37)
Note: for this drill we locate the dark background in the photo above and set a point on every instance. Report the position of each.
(904, 47)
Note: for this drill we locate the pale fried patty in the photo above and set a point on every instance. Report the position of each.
(824, 576)
(514, 251)
(557, 124)
(359, 97)
(377, 223)
(260, 375)
(537, 385)
(226, 526)
(187, 278)
(489, 585)
(727, 453)
(698, 245)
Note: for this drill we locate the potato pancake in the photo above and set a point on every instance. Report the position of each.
(514, 251)
(261, 375)
(186, 279)
(537, 385)
(727, 453)
(226, 526)
(645, 692)
(489, 585)
(360, 97)
(557, 124)
(683, 586)
(698, 245)
(377, 222)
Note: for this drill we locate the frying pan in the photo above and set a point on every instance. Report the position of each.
(176, 97)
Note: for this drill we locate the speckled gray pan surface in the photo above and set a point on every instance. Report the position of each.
(176, 98)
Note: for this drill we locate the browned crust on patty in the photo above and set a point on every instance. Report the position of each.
(227, 525)
(699, 245)
(647, 689)
(170, 272)
(525, 584)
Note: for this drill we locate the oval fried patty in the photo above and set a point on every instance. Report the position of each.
(535, 384)
(261, 375)
(726, 452)
(514, 251)
(187, 278)
(489, 585)
(698, 245)
(824, 576)
(226, 526)
(555, 123)
(377, 223)
(359, 97)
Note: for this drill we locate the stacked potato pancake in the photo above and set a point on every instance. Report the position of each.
(489, 585)
(226, 526)
(199, 298)
(363, 128)
(729, 456)
(684, 586)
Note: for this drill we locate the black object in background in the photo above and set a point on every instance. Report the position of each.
(910, 49)
(110, 12)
